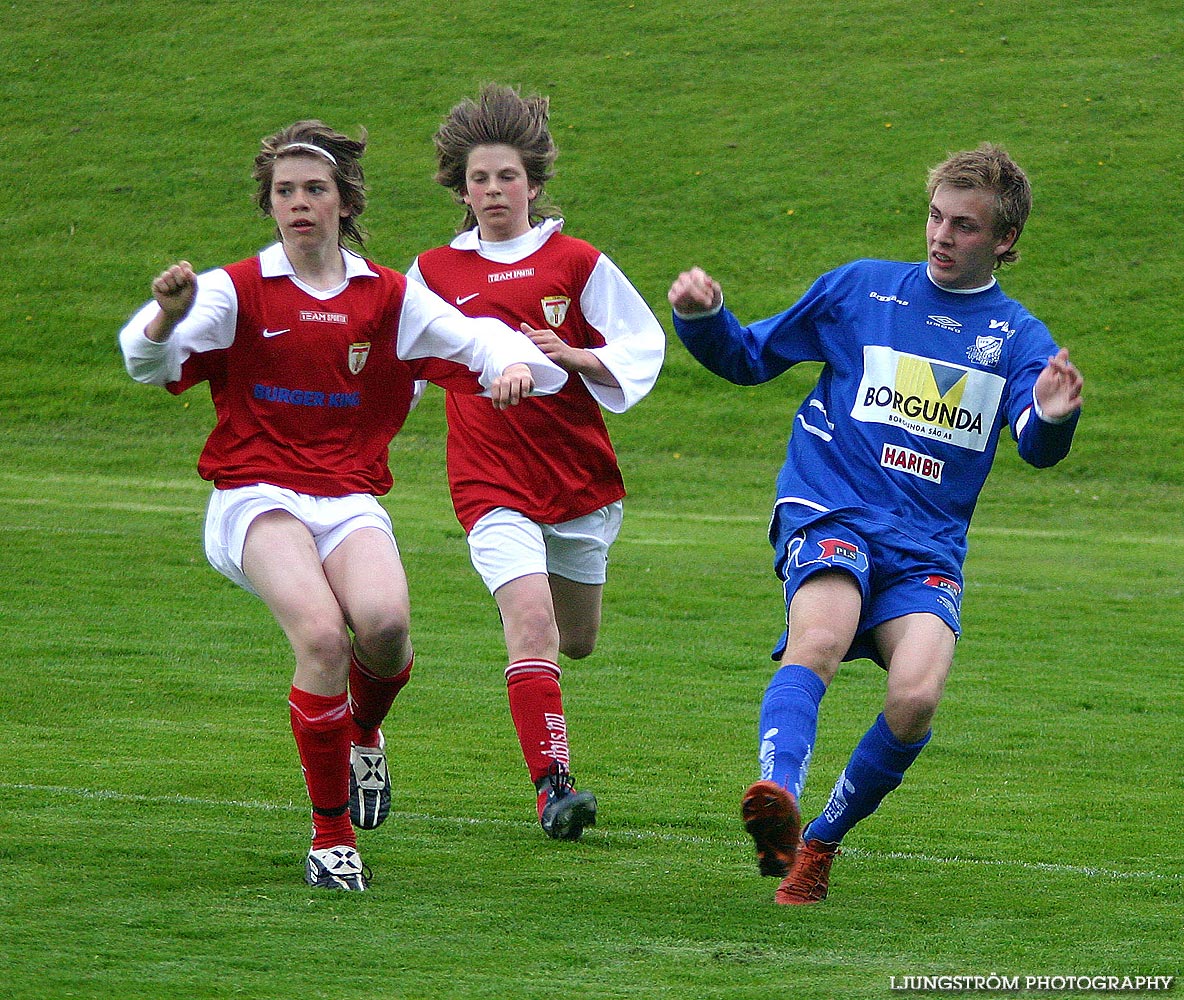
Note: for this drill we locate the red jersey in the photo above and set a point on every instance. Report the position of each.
(309, 390)
(549, 458)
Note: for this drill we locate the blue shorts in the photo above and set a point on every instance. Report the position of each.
(896, 577)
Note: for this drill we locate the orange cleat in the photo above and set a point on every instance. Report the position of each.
(809, 878)
(771, 816)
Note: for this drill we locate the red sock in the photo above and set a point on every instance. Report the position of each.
(536, 705)
(370, 698)
(322, 728)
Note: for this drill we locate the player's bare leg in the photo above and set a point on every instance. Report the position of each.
(368, 578)
(919, 650)
(577, 614)
(280, 560)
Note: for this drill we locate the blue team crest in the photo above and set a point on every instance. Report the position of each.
(555, 309)
(985, 351)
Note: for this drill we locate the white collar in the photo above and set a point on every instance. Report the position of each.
(274, 263)
(508, 251)
(962, 291)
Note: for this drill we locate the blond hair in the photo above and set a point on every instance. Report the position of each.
(990, 168)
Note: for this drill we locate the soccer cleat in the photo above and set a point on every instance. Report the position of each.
(809, 877)
(564, 812)
(336, 868)
(369, 785)
(771, 816)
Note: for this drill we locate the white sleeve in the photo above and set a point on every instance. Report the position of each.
(420, 386)
(429, 327)
(635, 344)
(208, 326)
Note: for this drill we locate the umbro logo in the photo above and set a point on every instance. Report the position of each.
(887, 298)
(462, 299)
(945, 322)
(275, 333)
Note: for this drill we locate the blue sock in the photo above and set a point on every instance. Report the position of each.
(877, 766)
(788, 726)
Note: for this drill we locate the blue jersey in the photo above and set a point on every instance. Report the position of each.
(916, 385)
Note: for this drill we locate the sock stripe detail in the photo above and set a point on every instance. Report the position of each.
(521, 668)
(329, 716)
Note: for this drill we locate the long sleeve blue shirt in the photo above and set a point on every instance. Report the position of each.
(917, 384)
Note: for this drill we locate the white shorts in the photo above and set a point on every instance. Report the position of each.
(328, 519)
(505, 545)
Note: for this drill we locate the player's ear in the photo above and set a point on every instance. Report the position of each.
(1006, 241)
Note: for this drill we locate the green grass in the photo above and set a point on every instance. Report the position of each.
(152, 816)
(155, 818)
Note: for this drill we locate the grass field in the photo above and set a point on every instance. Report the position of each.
(152, 817)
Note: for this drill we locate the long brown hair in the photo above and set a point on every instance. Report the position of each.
(499, 116)
(340, 151)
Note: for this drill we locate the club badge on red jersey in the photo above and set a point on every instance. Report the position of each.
(555, 309)
(358, 353)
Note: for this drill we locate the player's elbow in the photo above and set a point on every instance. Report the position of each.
(1042, 461)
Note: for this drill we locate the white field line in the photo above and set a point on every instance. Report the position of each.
(196, 507)
(198, 491)
(40, 480)
(1086, 871)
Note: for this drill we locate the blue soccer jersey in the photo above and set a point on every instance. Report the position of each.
(916, 385)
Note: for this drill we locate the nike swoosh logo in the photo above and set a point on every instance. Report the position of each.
(461, 300)
(275, 333)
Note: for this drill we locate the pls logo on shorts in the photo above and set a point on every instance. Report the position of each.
(838, 552)
(949, 593)
(951, 587)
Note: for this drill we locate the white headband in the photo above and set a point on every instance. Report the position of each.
(307, 147)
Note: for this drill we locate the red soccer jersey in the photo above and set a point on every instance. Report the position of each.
(310, 391)
(550, 458)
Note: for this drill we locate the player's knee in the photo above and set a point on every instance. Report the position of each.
(322, 649)
(384, 637)
(910, 713)
(321, 640)
(577, 644)
(534, 629)
(818, 647)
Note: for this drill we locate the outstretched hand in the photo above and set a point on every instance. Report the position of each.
(1058, 388)
(512, 386)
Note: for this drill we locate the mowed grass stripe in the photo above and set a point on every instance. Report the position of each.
(83, 493)
(107, 795)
